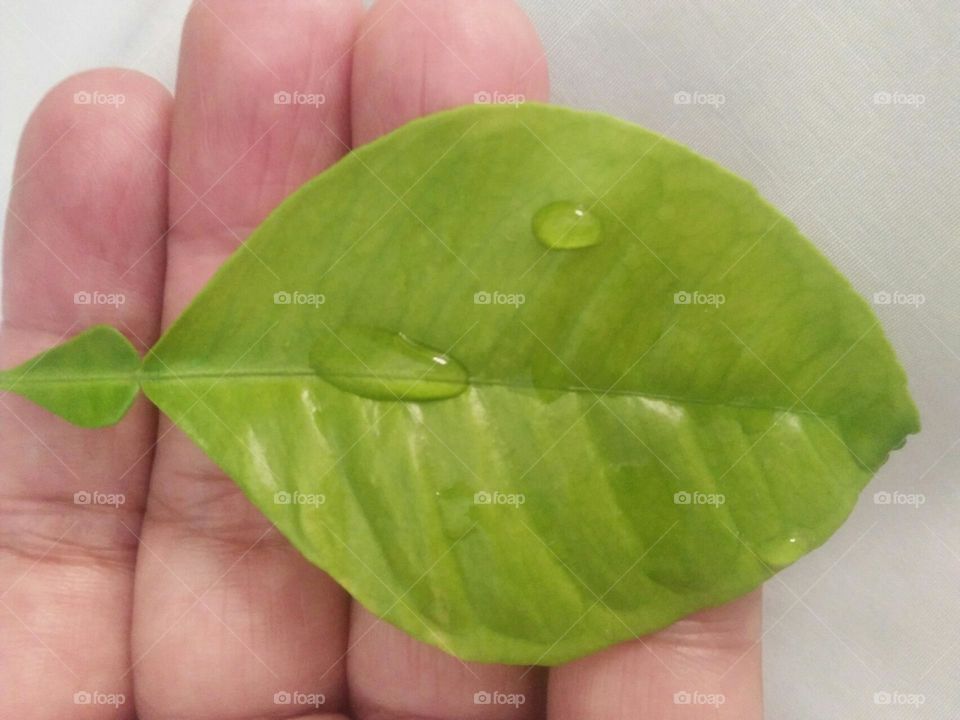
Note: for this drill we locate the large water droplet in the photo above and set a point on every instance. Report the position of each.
(384, 365)
(783, 551)
(566, 226)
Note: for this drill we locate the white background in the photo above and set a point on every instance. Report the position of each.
(875, 186)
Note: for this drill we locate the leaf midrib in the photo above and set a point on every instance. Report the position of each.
(599, 393)
(141, 378)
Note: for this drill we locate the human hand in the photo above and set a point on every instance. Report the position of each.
(183, 601)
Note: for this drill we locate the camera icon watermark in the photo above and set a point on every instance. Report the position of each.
(300, 699)
(895, 297)
(499, 98)
(895, 697)
(93, 497)
(495, 497)
(495, 697)
(484, 297)
(94, 697)
(295, 297)
(296, 97)
(885, 97)
(95, 297)
(695, 297)
(95, 97)
(699, 498)
(914, 500)
(693, 697)
(283, 497)
(685, 97)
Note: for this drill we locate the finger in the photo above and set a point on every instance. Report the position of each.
(89, 199)
(230, 620)
(706, 665)
(416, 57)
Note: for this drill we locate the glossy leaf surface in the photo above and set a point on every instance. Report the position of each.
(530, 381)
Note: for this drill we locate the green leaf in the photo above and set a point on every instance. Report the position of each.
(90, 380)
(530, 381)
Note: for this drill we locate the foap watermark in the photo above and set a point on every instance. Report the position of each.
(296, 297)
(499, 98)
(895, 697)
(282, 497)
(495, 697)
(685, 97)
(300, 699)
(914, 500)
(94, 497)
(684, 297)
(95, 697)
(895, 297)
(494, 297)
(95, 97)
(694, 697)
(95, 297)
(698, 498)
(297, 97)
(885, 97)
(495, 497)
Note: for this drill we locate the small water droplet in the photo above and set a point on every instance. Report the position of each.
(566, 225)
(384, 365)
(782, 551)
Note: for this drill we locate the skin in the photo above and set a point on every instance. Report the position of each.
(185, 599)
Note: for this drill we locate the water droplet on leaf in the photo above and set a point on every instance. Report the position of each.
(782, 551)
(566, 226)
(384, 365)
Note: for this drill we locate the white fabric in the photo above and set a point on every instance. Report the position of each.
(872, 183)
